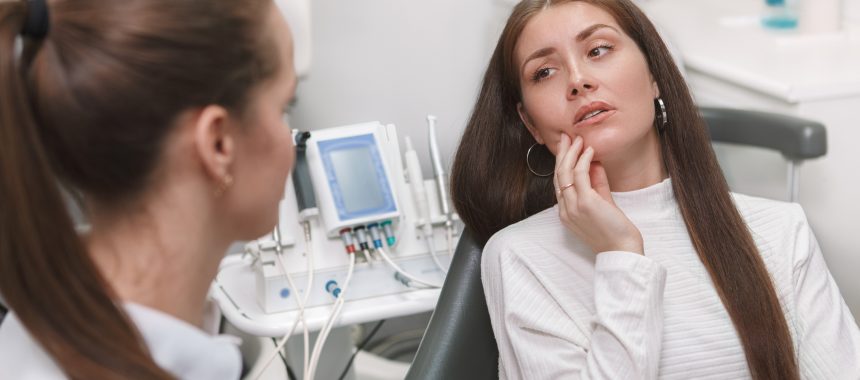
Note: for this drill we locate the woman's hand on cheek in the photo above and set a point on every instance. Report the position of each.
(585, 204)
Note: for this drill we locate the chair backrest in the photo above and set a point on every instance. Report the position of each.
(459, 341)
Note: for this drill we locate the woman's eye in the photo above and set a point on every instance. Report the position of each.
(541, 74)
(599, 51)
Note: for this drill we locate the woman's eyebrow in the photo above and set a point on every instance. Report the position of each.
(538, 54)
(587, 32)
(591, 29)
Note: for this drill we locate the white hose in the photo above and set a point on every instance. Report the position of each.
(323, 335)
(306, 227)
(431, 245)
(300, 317)
(450, 238)
(403, 272)
(301, 302)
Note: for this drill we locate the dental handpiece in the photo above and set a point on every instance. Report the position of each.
(438, 171)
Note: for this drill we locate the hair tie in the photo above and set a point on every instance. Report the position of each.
(36, 25)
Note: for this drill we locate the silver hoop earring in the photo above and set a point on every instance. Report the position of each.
(662, 117)
(529, 164)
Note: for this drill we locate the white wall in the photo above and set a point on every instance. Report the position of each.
(852, 11)
(397, 61)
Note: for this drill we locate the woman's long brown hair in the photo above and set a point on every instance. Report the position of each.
(89, 106)
(493, 188)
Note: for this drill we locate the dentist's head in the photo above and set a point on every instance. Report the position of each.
(167, 117)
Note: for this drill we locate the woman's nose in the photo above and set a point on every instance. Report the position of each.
(580, 83)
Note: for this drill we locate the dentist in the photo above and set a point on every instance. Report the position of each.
(167, 118)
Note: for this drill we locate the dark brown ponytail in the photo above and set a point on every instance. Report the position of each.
(67, 303)
(89, 107)
(492, 187)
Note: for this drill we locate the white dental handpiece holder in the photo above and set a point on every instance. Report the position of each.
(416, 184)
(440, 182)
(438, 169)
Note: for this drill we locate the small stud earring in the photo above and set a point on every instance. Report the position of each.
(226, 182)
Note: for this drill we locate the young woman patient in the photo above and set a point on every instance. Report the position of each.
(617, 249)
(168, 117)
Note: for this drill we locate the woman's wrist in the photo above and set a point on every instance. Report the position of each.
(633, 245)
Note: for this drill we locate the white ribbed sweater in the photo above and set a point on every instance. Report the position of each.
(561, 312)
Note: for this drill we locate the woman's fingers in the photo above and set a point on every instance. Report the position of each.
(595, 219)
(581, 179)
(563, 146)
(564, 171)
(600, 182)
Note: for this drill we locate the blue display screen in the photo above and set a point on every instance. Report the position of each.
(356, 177)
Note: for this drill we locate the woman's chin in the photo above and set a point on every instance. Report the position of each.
(606, 142)
(602, 148)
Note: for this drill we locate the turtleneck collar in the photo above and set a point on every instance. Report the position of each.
(651, 198)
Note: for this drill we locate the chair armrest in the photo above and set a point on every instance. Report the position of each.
(795, 138)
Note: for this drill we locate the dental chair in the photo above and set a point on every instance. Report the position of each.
(459, 341)
(795, 138)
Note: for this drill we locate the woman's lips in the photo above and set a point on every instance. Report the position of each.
(595, 119)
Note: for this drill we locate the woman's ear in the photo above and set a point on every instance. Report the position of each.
(527, 120)
(214, 142)
(656, 89)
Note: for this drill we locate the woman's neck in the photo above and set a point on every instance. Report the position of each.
(637, 169)
(162, 255)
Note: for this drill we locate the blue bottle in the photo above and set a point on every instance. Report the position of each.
(779, 15)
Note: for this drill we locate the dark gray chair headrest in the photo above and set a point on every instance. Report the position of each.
(796, 138)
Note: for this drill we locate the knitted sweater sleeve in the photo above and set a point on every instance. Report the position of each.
(828, 339)
(533, 331)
